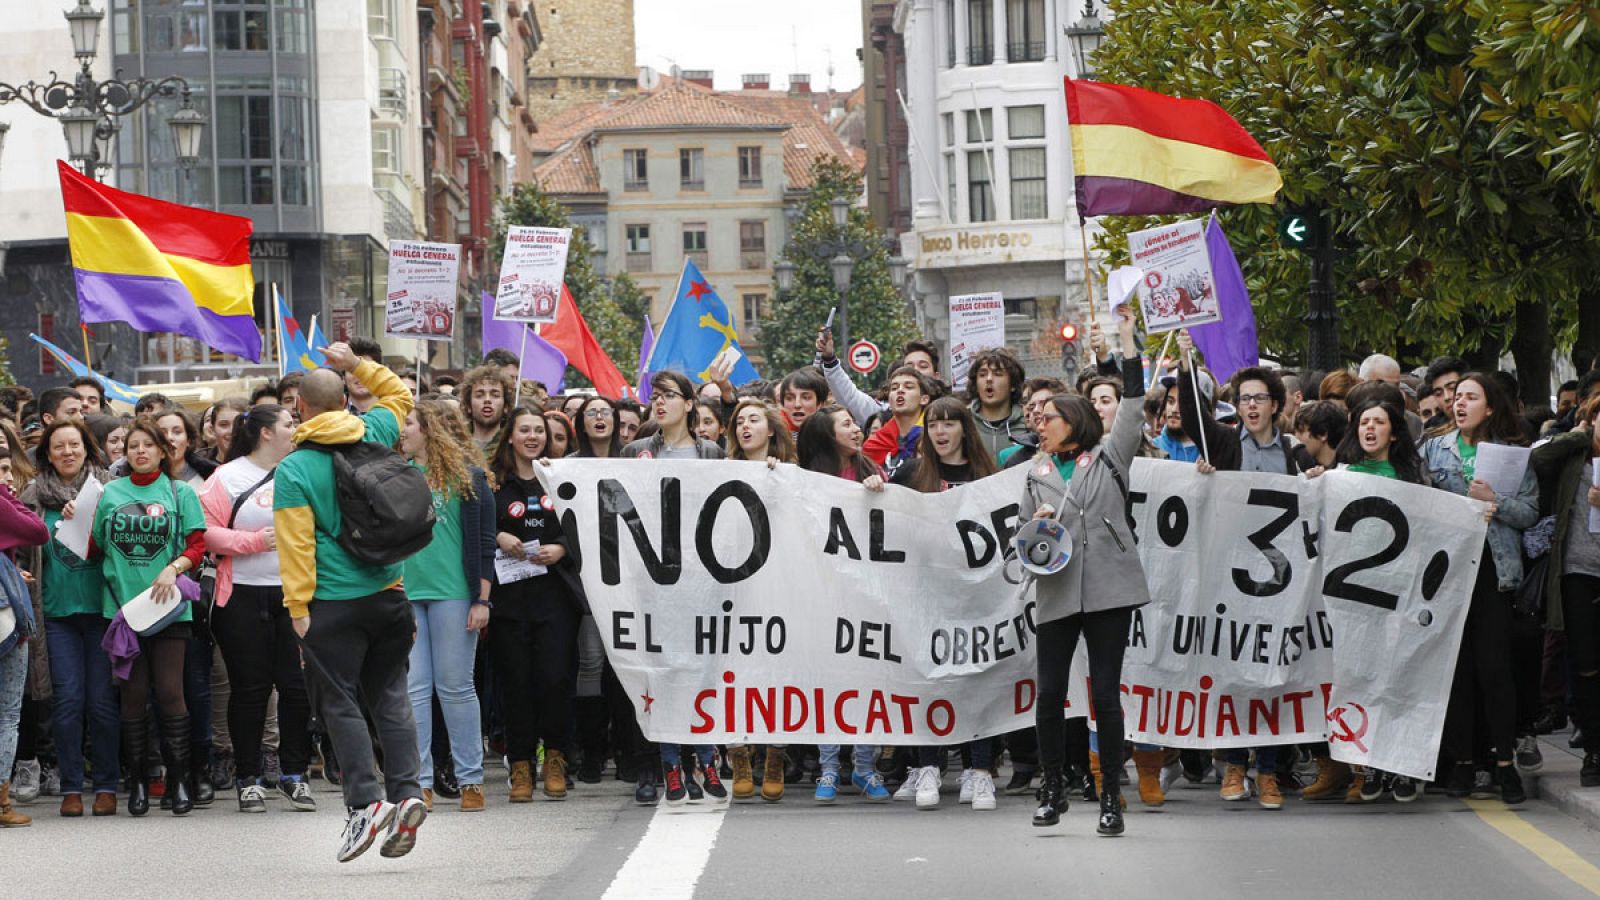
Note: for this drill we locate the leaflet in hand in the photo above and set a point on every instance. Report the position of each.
(1501, 466)
(509, 569)
(73, 533)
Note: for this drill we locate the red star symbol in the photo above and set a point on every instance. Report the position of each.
(698, 289)
(648, 702)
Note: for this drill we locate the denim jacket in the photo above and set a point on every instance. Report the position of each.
(14, 596)
(1515, 512)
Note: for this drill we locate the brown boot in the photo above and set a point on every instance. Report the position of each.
(427, 799)
(1332, 779)
(1352, 795)
(9, 817)
(522, 782)
(105, 804)
(1148, 762)
(472, 798)
(71, 806)
(1267, 793)
(1233, 784)
(555, 775)
(772, 776)
(744, 779)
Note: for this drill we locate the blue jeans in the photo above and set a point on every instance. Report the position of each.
(13, 678)
(981, 753)
(1266, 759)
(862, 755)
(441, 660)
(672, 754)
(80, 678)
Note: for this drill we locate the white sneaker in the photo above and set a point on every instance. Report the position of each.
(1170, 775)
(25, 783)
(966, 786)
(928, 788)
(49, 781)
(982, 790)
(403, 835)
(362, 828)
(908, 788)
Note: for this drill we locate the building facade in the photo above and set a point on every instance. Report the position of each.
(989, 164)
(883, 69)
(587, 53)
(684, 171)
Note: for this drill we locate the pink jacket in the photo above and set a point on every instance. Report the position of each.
(222, 542)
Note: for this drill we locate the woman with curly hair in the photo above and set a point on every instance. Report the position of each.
(448, 583)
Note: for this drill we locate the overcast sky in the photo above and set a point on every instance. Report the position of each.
(734, 37)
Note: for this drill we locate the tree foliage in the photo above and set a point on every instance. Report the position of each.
(1452, 143)
(615, 310)
(877, 311)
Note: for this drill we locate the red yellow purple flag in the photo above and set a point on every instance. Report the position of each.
(159, 266)
(1137, 152)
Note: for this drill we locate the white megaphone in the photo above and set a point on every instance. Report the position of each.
(1043, 546)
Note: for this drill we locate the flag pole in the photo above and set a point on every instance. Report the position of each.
(1088, 277)
(88, 359)
(275, 328)
(1155, 364)
(1199, 398)
(516, 397)
(422, 350)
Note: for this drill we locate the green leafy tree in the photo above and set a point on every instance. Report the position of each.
(1464, 222)
(615, 311)
(5, 363)
(878, 312)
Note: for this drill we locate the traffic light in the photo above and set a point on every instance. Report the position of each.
(1069, 332)
(1301, 229)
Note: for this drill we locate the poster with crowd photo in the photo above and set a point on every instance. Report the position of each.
(1178, 290)
(422, 290)
(739, 603)
(977, 322)
(531, 270)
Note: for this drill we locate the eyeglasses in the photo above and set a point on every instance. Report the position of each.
(1256, 399)
(596, 413)
(667, 395)
(1045, 417)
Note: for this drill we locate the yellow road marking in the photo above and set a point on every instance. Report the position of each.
(1552, 852)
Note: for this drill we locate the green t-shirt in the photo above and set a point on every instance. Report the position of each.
(435, 572)
(1381, 467)
(71, 585)
(305, 478)
(1066, 464)
(137, 534)
(1469, 457)
(1006, 455)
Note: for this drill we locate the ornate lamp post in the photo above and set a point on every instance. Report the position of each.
(841, 254)
(88, 109)
(1087, 36)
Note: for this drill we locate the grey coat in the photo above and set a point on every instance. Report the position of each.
(1104, 571)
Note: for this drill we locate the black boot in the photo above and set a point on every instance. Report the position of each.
(175, 734)
(135, 746)
(1052, 799)
(1083, 782)
(1589, 775)
(1110, 812)
(201, 787)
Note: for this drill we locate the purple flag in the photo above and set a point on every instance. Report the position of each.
(646, 343)
(1228, 345)
(540, 360)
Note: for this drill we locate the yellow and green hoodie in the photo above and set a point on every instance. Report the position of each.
(306, 508)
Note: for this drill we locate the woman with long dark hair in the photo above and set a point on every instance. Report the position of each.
(950, 453)
(80, 670)
(148, 530)
(1081, 480)
(830, 443)
(248, 619)
(533, 643)
(1483, 413)
(597, 429)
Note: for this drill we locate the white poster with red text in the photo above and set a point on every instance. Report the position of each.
(532, 267)
(740, 604)
(1178, 289)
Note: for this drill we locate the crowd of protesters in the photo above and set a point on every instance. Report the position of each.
(232, 699)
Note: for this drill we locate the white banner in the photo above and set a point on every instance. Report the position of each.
(739, 603)
(1178, 290)
(977, 322)
(531, 268)
(422, 290)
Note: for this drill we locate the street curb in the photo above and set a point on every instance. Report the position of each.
(1558, 782)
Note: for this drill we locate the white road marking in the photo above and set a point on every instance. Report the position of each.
(670, 857)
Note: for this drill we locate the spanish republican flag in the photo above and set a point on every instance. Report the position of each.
(159, 266)
(1136, 152)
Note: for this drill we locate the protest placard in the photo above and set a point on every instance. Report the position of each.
(422, 290)
(977, 322)
(1178, 289)
(531, 270)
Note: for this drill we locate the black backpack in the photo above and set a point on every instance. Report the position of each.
(385, 502)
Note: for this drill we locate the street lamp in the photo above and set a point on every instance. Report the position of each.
(841, 211)
(785, 272)
(1087, 36)
(840, 253)
(898, 269)
(88, 110)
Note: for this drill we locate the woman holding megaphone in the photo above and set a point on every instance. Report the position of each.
(1078, 489)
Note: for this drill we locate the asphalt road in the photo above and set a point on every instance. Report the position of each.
(597, 843)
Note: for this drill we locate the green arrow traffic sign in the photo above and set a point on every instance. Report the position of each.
(1298, 230)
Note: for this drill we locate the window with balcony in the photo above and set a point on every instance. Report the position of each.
(980, 32)
(692, 169)
(749, 167)
(242, 26)
(386, 150)
(381, 19)
(947, 19)
(755, 307)
(980, 188)
(637, 238)
(753, 245)
(635, 173)
(694, 242)
(1025, 35)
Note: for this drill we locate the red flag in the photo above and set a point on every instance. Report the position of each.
(570, 334)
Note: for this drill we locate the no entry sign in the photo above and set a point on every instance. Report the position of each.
(864, 356)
